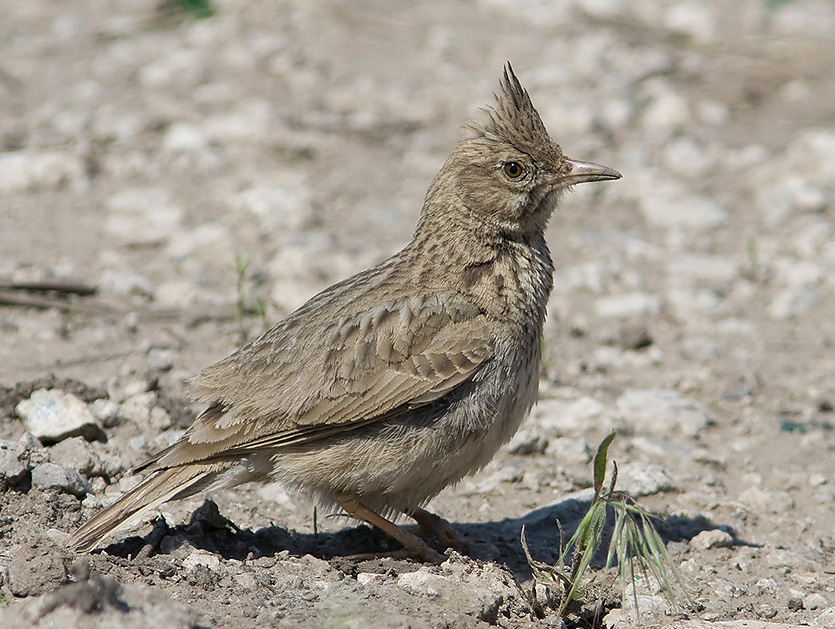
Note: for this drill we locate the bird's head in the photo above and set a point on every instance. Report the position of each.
(508, 173)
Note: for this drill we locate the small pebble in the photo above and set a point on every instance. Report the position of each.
(74, 453)
(825, 620)
(52, 415)
(715, 538)
(142, 216)
(12, 470)
(641, 479)
(659, 411)
(105, 410)
(627, 305)
(814, 601)
(52, 476)
(160, 359)
(33, 170)
(526, 443)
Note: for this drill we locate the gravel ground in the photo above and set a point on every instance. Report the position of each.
(144, 149)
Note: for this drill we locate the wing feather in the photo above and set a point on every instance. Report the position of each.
(289, 387)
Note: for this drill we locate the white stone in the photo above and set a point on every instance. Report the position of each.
(246, 580)
(648, 610)
(569, 451)
(763, 500)
(105, 410)
(814, 601)
(798, 273)
(283, 203)
(695, 19)
(137, 407)
(701, 269)
(671, 207)
(423, 582)
(659, 411)
(658, 447)
(74, 453)
(616, 113)
(715, 538)
(201, 558)
(183, 137)
(792, 301)
(780, 199)
(627, 305)
(826, 620)
(252, 121)
(11, 469)
(142, 216)
(685, 156)
(800, 281)
(609, 357)
(666, 112)
(817, 151)
(124, 282)
(592, 275)
(52, 415)
(185, 67)
(33, 170)
(160, 358)
(783, 558)
(52, 476)
(693, 303)
(816, 479)
(206, 248)
(526, 442)
(178, 293)
(712, 112)
(812, 239)
(370, 578)
(644, 479)
(572, 416)
(767, 586)
(602, 8)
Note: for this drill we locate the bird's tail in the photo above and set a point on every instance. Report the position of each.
(161, 486)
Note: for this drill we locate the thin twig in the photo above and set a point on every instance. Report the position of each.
(12, 298)
(51, 286)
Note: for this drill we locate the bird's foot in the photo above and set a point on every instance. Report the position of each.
(432, 525)
(413, 546)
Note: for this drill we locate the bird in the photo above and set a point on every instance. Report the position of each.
(389, 386)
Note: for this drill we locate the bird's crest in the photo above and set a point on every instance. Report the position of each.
(514, 118)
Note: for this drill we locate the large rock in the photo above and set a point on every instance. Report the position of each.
(12, 470)
(53, 476)
(53, 415)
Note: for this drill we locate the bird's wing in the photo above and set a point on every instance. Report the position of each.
(290, 386)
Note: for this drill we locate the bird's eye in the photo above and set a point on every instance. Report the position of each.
(513, 170)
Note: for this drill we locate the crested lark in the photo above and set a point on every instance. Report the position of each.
(392, 384)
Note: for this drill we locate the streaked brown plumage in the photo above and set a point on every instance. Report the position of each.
(392, 384)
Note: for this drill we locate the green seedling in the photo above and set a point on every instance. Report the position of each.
(635, 547)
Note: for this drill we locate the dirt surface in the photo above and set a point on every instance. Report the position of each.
(143, 149)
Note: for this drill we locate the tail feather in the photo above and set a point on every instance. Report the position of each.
(161, 486)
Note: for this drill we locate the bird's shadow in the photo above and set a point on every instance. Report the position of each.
(498, 541)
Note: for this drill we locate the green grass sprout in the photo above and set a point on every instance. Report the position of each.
(635, 547)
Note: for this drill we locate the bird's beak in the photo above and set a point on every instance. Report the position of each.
(581, 172)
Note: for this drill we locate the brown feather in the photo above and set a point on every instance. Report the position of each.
(392, 384)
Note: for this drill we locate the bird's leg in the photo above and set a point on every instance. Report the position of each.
(435, 526)
(413, 546)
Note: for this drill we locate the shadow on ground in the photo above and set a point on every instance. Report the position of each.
(497, 541)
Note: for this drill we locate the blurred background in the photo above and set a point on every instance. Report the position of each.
(208, 166)
(204, 167)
